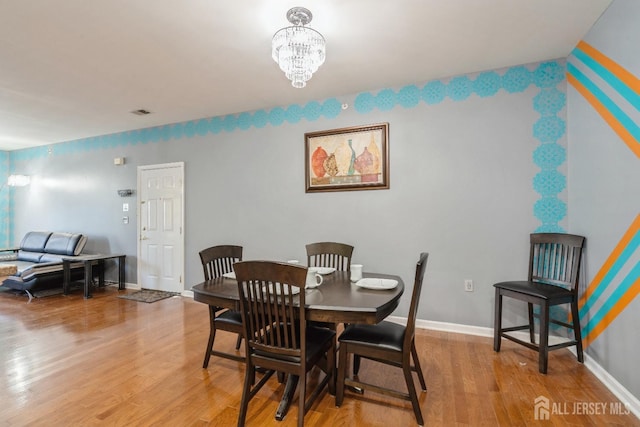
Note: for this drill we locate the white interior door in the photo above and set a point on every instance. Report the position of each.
(160, 227)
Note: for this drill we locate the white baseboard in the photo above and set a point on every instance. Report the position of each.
(455, 327)
(188, 294)
(629, 400)
(126, 285)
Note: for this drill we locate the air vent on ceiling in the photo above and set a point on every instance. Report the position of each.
(141, 112)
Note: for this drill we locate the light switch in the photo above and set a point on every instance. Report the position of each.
(125, 220)
(125, 207)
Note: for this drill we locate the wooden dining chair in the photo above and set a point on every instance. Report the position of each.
(388, 343)
(329, 254)
(277, 335)
(554, 272)
(216, 261)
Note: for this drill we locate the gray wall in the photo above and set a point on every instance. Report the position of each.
(461, 188)
(604, 196)
(4, 200)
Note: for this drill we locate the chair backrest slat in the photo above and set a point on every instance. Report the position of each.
(329, 254)
(555, 259)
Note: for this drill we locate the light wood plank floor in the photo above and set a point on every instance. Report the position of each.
(67, 361)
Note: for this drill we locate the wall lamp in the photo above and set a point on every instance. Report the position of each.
(18, 180)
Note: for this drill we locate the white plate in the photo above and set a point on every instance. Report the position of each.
(294, 290)
(324, 270)
(373, 283)
(230, 275)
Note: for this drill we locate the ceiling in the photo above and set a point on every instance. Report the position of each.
(71, 69)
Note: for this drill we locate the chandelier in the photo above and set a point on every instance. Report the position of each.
(297, 49)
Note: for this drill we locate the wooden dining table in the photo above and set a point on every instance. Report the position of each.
(336, 300)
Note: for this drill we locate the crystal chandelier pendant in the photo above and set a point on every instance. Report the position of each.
(297, 49)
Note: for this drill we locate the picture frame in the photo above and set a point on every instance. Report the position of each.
(347, 159)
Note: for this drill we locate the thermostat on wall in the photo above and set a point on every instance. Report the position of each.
(125, 193)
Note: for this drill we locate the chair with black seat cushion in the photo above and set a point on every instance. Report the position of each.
(278, 337)
(329, 254)
(554, 271)
(388, 343)
(216, 261)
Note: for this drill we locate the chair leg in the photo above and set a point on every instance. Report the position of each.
(302, 386)
(532, 329)
(246, 393)
(331, 368)
(252, 375)
(238, 342)
(416, 363)
(212, 336)
(406, 369)
(342, 367)
(356, 364)
(576, 331)
(497, 322)
(544, 338)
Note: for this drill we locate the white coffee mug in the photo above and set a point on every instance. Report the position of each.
(356, 272)
(314, 279)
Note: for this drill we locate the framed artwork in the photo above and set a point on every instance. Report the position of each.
(354, 158)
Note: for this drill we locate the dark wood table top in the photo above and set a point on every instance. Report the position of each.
(337, 300)
(92, 257)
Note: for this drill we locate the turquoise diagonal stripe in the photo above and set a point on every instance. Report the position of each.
(610, 78)
(624, 286)
(615, 269)
(620, 115)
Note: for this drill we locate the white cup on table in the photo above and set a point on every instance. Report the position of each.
(314, 279)
(356, 272)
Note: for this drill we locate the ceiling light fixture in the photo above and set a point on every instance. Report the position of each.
(297, 49)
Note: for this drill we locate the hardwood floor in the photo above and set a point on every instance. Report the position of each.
(108, 361)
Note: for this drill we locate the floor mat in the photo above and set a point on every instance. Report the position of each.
(148, 295)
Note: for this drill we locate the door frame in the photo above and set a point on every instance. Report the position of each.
(180, 166)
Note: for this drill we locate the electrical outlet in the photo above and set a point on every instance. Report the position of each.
(468, 285)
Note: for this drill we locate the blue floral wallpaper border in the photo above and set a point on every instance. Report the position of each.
(549, 77)
(548, 130)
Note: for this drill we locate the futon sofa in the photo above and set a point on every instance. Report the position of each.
(39, 260)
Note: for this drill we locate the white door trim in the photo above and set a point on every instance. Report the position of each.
(179, 165)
